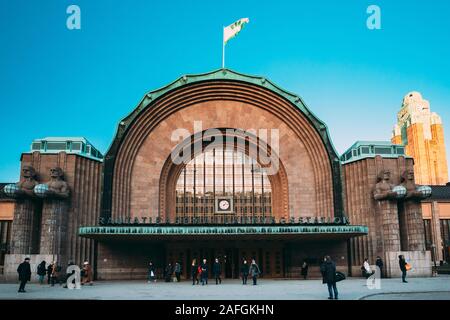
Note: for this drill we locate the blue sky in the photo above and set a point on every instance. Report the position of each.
(60, 82)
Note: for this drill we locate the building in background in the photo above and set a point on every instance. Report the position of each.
(436, 215)
(6, 218)
(422, 133)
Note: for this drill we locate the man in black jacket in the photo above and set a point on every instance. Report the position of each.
(24, 271)
(328, 270)
(402, 264)
(217, 270)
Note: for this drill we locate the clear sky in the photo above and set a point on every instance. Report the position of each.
(60, 82)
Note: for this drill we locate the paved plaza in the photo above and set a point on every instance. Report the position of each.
(437, 288)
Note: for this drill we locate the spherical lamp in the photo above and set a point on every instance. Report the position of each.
(11, 189)
(41, 190)
(400, 191)
(425, 191)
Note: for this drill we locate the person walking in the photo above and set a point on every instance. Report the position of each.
(168, 272)
(87, 274)
(328, 270)
(379, 264)
(49, 271)
(151, 272)
(244, 271)
(402, 263)
(54, 276)
(204, 274)
(217, 270)
(194, 272)
(304, 271)
(367, 270)
(41, 272)
(177, 270)
(254, 271)
(24, 271)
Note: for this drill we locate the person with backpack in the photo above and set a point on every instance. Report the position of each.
(328, 270)
(254, 271)
(41, 272)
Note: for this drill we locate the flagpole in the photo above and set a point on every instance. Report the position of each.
(223, 49)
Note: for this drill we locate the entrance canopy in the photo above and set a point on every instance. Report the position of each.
(254, 232)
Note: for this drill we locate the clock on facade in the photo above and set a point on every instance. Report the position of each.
(224, 205)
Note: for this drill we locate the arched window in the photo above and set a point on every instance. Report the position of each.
(223, 173)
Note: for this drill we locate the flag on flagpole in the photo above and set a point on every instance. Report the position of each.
(233, 29)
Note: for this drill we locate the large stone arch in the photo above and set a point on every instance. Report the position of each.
(220, 99)
(171, 171)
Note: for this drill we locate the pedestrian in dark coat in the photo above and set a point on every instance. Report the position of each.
(168, 273)
(328, 270)
(379, 264)
(304, 271)
(49, 272)
(244, 271)
(204, 274)
(177, 270)
(402, 264)
(254, 271)
(24, 271)
(217, 271)
(194, 272)
(41, 272)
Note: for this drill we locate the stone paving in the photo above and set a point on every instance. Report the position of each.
(349, 289)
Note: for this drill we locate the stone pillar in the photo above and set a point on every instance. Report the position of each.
(436, 231)
(390, 237)
(414, 225)
(54, 229)
(24, 238)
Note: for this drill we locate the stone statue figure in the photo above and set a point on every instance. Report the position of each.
(55, 188)
(384, 189)
(414, 191)
(23, 188)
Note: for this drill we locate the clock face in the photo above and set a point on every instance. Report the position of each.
(224, 204)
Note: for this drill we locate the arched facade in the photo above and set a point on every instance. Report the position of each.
(138, 179)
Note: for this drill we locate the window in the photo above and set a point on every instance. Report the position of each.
(221, 172)
(56, 146)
